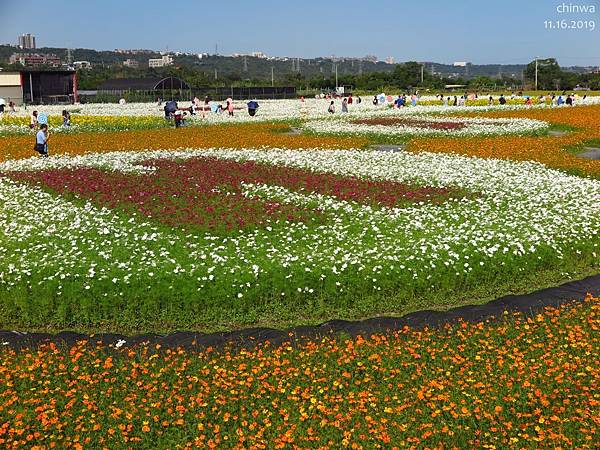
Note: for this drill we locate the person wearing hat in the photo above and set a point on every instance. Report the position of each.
(252, 107)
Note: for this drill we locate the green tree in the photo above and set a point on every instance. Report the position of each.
(548, 72)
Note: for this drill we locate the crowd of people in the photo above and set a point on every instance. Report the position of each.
(550, 98)
(173, 112)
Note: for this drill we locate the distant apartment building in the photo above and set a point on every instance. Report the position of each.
(27, 41)
(389, 60)
(260, 55)
(35, 59)
(131, 63)
(166, 60)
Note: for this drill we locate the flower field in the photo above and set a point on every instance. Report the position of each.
(230, 225)
(130, 226)
(433, 126)
(417, 223)
(220, 136)
(552, 151)
(19, 125)
(521, 382)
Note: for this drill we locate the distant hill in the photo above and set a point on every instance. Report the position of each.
(230, 70)
(249, 67)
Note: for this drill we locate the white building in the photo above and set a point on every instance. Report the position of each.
(389, 60)
(166, 60)
(132, 63)
(82, 64)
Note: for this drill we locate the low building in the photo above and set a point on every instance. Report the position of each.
(123, 85)
(131, 63)
(11, 89)
(166, 60)
(35, 60)
(39, 86)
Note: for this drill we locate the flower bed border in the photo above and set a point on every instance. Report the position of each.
(528, 304)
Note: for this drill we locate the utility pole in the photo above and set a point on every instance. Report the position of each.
(536, 72)
(245, 63)
(216, 76)
(336, 77)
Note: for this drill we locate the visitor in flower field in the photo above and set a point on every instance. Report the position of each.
(375, 101)
(331, 108)
(170, 108)
(66, 118)
(179, 118)
(229, 107)
(560, 100)
(491, 101)
(455, 102)
(33, 120)
(569, 100)
(345, 105)
(252, 107)
(502, 100)
(41, 141)
(350, 100)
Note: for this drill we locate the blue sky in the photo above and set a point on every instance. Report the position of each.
(484, 31)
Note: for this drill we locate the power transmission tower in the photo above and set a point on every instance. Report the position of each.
(245, 63)
(298, 65)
